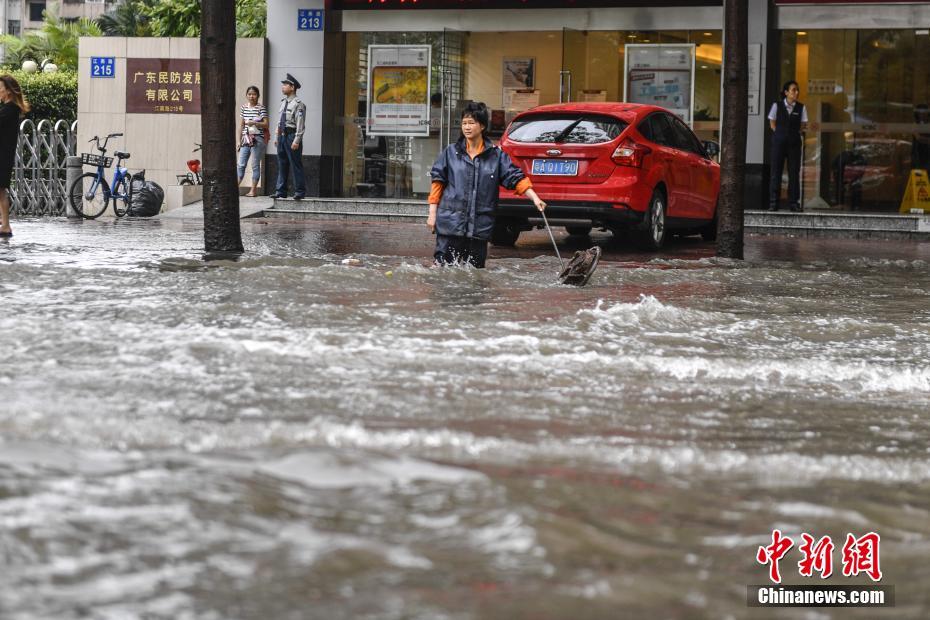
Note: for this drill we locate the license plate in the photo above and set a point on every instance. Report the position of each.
(555, 167)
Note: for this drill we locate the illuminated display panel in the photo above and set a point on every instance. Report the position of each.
(355, 5)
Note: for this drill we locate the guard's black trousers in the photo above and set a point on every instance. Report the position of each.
(780, 152)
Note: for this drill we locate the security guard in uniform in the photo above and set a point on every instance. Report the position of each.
(292, 119)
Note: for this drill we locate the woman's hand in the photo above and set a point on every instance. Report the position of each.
(539, 202)
(431, 219)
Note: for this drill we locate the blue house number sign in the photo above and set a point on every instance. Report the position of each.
(102, 67)
(309, 19)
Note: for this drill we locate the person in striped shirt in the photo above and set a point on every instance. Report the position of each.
(253, 139)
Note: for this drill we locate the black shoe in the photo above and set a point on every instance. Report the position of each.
(277, 196)
(796, 209)
(773, 208)
(298, 197)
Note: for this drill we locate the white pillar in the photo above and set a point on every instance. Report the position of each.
(300, 53)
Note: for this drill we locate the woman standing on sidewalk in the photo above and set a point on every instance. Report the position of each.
(463, 197)
(12, 109)
(253, 126)
(788, 119)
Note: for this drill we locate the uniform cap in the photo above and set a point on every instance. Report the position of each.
(290, 79)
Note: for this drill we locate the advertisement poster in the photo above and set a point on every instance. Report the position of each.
(162, 86)
(517, 74)
(398, 90)
(661, 75)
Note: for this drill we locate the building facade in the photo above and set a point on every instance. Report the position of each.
(858, 70)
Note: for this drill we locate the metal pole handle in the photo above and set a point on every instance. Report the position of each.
(551, 238)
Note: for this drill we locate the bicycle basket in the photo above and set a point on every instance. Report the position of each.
(90, 159)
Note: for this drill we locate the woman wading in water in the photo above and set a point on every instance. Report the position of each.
(463, 199)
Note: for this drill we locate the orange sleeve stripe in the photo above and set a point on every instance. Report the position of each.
(435, 192)
(524, 185)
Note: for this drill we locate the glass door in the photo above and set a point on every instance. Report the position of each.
(591, 66)
(574, 64)
(452, 69)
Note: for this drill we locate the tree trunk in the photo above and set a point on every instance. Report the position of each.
(218, 126)
(733, 126)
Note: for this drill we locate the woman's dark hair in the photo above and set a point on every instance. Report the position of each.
(10, 83)
(479, 112)
(258, 93)
(787, 85)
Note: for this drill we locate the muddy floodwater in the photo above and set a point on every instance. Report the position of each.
(286, 436)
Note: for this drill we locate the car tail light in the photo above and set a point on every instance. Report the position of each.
(631, 154)
(194, 165)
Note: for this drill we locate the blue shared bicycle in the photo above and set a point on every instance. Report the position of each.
(91, 194)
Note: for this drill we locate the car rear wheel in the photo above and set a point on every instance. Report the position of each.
(581, 231)
(505, 233)
(652, 232)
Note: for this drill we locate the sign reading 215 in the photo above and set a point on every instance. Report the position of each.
(102, 67)
(309, 19)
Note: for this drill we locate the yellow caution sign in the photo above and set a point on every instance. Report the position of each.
(917, 195)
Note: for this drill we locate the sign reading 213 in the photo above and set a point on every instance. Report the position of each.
(309, 19)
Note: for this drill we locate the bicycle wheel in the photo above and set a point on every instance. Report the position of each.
(89, 195)
(122, 196)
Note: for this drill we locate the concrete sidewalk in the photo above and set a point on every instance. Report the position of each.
(248, 207)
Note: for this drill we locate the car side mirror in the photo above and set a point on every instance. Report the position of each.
(712, 149)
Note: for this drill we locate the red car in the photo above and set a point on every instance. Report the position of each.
(617, 166)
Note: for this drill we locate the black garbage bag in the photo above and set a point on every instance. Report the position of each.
(147, 200)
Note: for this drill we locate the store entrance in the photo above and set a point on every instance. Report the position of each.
(592, 66)
(401, 92)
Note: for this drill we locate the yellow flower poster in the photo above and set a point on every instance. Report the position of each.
(398, 90)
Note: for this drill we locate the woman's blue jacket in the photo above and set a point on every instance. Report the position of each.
(469, 199)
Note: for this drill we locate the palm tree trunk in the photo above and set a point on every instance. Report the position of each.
(218, 126)
(733, 142)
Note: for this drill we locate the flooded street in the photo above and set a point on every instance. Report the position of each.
(287, 437)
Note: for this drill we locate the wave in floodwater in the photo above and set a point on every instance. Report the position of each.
(326, 427)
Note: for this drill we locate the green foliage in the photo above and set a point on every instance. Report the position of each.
(181, 18)
(53, 96)
(251, 18)
(57, 41)
(173, 18)
(125, 20)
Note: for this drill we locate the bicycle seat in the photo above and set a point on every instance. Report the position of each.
(121, 155)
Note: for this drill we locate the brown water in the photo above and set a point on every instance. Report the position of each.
(285, 436)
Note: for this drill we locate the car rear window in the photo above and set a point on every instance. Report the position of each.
(588, 129)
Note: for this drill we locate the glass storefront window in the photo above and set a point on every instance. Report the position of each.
(561, 65)
(865, 94)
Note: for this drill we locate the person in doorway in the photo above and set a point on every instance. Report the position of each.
(292, 119)
(920, 144)
(253, 127)
(463, 197)
(12, 109)
(788, 119)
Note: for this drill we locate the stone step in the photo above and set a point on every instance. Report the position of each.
(361, 207)
(809, 223)
(844, 225)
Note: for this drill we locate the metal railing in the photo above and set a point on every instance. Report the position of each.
(39, 174)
